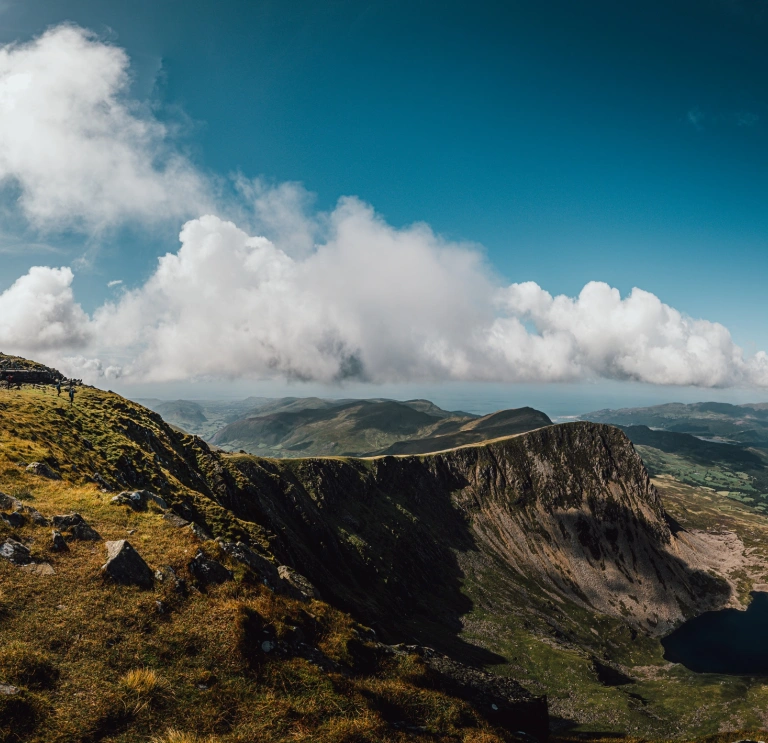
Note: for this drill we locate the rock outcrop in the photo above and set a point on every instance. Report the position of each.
(43, 470)
(208, 572)
(76, 527)
(126, 566)
(568, 508)
(296, 585)
(15, 552)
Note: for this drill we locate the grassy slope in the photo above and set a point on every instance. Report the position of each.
(496, 425)
(738, 423)
(71, 641)
(368, 428)
(98, 662)
(536, 636)
(350, 428)
(735, 470)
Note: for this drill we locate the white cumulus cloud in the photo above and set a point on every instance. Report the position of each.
(39, 313)
(369, 302)
(76, 150)
(290, 293)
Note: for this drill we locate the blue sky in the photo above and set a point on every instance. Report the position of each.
(570, 142)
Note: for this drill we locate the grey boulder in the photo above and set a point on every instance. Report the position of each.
(15, 552)
(175, 520)
(34, 514)
(9, 503)
(200, 532)
(77, 527)
(126, 566)
(43, 470)
(295, 585)
(14, 520)
(57, 542)
(206, 571)
(260, 565)
(139, 499)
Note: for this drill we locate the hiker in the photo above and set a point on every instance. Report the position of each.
(58, 388)
(71, 395)
(10, 381)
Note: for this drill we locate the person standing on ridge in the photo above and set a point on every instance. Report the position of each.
(71, 395)
(58, 387)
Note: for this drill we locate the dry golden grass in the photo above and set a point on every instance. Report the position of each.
(179, 736)
(97, 661)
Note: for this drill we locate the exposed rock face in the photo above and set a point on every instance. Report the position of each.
(138, 500)
(296, 585)
(43, 470)
(207, 572)
(260, 565)
(15, 552)
(569, 507)
(77, 527)
(126, 566)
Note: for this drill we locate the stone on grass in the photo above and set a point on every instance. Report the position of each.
(9, 503)
(161, 503)
(200, 532)
(126, 566)
(260, 565)
(14, 520)
(8, 690)
(175, 520)
(139, 499)
(67, 521)
(35, 515)
(39, 568)
(43, 470)
(295, 585)
(126, 499)
(15, 552)
(206, 571)
(57, 542)
(77, 527)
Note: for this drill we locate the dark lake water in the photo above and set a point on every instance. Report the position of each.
(727, 641)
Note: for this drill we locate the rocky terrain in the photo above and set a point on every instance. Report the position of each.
(152, 586)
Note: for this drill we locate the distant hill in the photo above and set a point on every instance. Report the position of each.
(744, 424)
(455, 432)
(313, 427)
(203, 417)
(708, 444)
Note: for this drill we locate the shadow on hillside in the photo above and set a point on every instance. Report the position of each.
(379, 539)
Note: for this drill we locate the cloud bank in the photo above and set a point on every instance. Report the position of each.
(372, 303)
(75, 150)
(290, 293)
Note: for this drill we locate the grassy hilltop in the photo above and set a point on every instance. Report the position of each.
(503, 556)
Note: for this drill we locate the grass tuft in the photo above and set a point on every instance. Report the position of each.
(172, 735)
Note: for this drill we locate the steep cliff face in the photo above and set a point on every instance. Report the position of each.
(566, 511)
